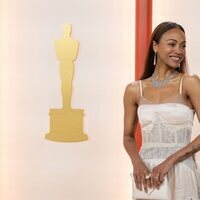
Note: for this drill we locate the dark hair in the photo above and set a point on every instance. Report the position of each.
(156, 36)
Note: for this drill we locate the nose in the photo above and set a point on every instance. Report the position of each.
(180, 49)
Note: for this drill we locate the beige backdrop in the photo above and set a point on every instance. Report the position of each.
(36, 169)
(33, 168)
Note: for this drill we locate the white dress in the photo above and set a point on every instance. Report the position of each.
(166, 128)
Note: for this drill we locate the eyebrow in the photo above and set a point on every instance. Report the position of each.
(176, 40)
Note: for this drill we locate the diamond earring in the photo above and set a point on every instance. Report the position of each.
(154, 59)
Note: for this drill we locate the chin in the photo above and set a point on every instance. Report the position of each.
(174, 66)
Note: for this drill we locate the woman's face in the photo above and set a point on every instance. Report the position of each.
(171, 48)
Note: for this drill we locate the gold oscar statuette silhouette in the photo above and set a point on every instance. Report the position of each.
(66, 124)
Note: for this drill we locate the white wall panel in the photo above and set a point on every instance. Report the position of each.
(31, 167)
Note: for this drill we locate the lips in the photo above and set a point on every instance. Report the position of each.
(175, 58)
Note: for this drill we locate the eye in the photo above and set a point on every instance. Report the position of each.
(171, 44)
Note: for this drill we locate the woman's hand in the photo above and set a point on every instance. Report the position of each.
(158, 172)
(141, 178)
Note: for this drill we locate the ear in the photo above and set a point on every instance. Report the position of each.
(155, 47)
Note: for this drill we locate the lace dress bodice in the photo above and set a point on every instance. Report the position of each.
(166, 127)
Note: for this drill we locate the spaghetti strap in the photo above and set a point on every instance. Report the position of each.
(181, 84)
(140, 83)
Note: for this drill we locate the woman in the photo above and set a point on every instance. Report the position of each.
(165, 101)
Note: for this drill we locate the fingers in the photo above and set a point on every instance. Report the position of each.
(156, 180)
(138, 181)
(161, 178)
(149, 182)
(147, 179)
(145, 185)
(143, 181)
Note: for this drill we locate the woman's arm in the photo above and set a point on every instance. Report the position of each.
(130, 123)
(191, 87)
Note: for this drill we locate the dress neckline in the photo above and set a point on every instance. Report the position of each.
(165, 103)
(168, 100)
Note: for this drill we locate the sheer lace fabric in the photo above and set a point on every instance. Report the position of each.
(166, 128)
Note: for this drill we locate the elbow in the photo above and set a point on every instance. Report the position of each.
(124, 142)
(127, 139)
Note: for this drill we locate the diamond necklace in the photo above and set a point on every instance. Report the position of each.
(160, 83)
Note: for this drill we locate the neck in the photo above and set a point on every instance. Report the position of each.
(163, 72)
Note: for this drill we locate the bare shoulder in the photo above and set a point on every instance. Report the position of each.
(132, 91)
(132, 88)
(191, 82)
(191, 79)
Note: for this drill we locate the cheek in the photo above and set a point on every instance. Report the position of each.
(164, 53)
(184, 52)
(164, 50)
